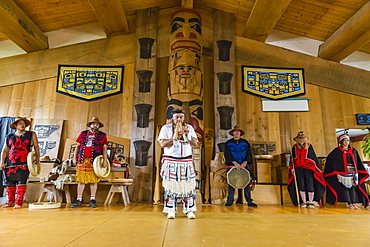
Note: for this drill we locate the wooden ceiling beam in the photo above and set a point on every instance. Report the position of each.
(263, 18)
(42, 65)
(349, 37)
(19, 28)
(111, 16)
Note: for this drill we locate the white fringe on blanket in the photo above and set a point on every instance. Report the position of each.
(348, 180)
(179, 189)
(178, 177)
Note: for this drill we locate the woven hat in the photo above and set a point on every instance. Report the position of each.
(236, 127)
(99, 170)
(32, 167)
(300, 137)
(17, 119)
(342, 136)
(95, 120)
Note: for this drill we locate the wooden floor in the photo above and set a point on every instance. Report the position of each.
(216, 225)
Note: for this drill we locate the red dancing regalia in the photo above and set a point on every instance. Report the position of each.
(336, 164)
(16, 170)
(92, 145)
(306, 158)
(16, 163)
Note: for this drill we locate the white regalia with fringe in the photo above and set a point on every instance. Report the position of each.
(177, 172)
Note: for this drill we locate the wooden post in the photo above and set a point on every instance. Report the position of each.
(224, 64)
(143, 129)
(224, 75)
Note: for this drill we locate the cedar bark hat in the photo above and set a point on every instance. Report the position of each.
(95, 120)
(236, 127)
(300, 137)
(17, 119)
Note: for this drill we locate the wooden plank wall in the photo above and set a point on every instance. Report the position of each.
(38, 99)
(329, 110)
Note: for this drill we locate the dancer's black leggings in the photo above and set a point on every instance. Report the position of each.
(305, 179)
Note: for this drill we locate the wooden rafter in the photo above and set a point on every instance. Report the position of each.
(111, 16)
(349, 37)
(18, 27)
(263, 18)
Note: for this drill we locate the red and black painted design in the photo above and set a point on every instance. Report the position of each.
(98, 143)
(15, 169)
(21, 190)
(19, 147)
(11, 195)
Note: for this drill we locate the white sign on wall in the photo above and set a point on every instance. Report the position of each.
(290, 104)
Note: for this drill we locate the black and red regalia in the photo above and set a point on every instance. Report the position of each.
(305, 158)
(336, 164)
(92, 144)
(16, 170)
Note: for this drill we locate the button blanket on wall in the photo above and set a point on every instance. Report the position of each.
(90, 82)
(273, 83)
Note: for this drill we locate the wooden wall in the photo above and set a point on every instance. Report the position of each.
(329, 110)
(38, 98)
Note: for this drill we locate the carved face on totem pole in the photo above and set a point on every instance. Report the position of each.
(186, 30)
(185, 74)
(185, 68)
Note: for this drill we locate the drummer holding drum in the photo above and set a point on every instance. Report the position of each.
(14, 162)
(238, 155)
(90, 144)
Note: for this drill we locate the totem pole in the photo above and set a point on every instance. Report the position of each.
(185, 87)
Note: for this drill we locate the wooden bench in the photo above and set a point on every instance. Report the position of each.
(118, 187)
(115, 187)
